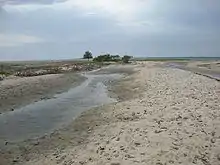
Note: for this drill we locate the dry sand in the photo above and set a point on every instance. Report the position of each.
(170, 116)
(17, 92)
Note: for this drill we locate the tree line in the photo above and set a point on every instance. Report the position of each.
(107, 57)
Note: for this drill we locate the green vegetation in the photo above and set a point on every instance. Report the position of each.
(4, 73)
(112, 58)
(87, 55)
(126, 59)
(107, 58)
(5, 70)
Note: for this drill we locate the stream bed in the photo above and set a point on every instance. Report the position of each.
(45, 116)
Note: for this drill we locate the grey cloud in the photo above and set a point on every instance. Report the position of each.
(16, 2)
(59, 27)
(197, 14)
(206, 17)
(150, 45)
(69, 33)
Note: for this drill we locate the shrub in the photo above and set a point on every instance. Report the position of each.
(126, 59)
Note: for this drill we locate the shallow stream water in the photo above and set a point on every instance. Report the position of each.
(42, 117)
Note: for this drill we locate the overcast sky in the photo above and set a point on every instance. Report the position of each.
(62, 29)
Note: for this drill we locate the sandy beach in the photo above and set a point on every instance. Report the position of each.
(164, 116)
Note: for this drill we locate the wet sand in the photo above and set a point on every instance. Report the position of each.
(210, 69)
(18, 92)
(25, 150)
(169, 116)
(45, 116)
(213, 66)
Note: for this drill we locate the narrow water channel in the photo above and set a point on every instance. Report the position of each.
(45, 116)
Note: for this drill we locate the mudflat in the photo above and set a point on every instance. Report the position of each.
(169, 116)
(213, 66)
(17, 92)
(210, 69)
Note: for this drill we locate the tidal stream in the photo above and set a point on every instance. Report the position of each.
(45, 116)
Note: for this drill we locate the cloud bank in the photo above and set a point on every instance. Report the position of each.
(65, 29)
(19, 2)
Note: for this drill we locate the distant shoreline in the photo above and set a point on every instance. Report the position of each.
(85, 60)
(176, 58)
